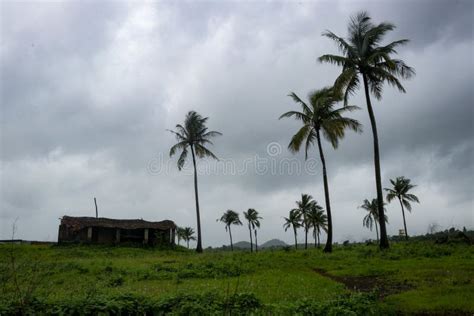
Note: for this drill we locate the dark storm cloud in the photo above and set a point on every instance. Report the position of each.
(88, 92)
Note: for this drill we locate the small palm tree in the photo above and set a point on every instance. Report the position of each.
(318, 220)
(230, 218)
(179, 234)
(399, 190)
(372, 217)
(304, 208)
(363, 56)
(320, 118)
(253, 222)
(193, 136)
(188, 234)
(293, 220)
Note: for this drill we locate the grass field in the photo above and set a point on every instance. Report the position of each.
(410, 278)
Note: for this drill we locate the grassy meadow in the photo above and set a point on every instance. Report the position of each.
(410, 278)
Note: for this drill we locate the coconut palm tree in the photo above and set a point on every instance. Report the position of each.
(193, 136)
(372, 217)
(399, 190)
(363, 57)
(304, 207)
(179, 234)
(253, 223)
(293, 220)
(321, 119)
(230, 218)
(188, 234)
(318, 220)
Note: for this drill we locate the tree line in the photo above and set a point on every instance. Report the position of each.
(365, 63)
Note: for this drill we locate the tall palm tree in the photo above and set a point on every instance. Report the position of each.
(363, 56)
(193, 136)
(318, 220)
(293, 220)
(304, 207)
(230, 218)
(320, 118)
(188, 234)
(253, 223)
(372, 216)
(399, 190)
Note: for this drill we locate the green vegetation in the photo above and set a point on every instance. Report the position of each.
(412, 277)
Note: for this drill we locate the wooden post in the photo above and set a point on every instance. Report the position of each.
(96, 211)
(89, 234)
(145, 237)
(117, 235)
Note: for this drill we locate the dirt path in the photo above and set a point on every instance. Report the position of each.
(367, 283)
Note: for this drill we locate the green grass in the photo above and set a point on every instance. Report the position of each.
(437, 278)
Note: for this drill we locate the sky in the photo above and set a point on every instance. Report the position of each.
(89, 89)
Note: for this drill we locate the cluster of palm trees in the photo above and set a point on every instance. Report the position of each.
(308, 214)
(186, 234)
(400, 191)
(231, 217)
(363, 57)
(364, 62)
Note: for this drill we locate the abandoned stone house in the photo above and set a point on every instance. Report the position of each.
(115, 231)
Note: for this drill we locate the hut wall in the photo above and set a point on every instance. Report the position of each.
(104, 235)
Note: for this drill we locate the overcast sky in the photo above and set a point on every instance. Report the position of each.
(88, 90)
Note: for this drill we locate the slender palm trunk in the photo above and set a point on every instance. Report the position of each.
(328, 247)
(378, 180)
(377, 231)
(315, 237)
(198, 216)
(319, 239)
(231, 244)
(256, 245)
(404, 222)
(251, 244)
(188, 243)
(305, 234)
(296, 243)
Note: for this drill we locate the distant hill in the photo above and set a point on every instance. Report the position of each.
(242, 245)
(273, 243)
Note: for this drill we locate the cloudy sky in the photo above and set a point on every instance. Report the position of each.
(88, 91)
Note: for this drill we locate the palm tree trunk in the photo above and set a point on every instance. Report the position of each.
(377, 231)
(328, 247)
(378, 180)
(319, 244)
(198, 216)
(296, 243)
(188, 243)
(231, 244)
(315, 237)
(305, 236)
(404, 222)
(256, 245)
(251, 244)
